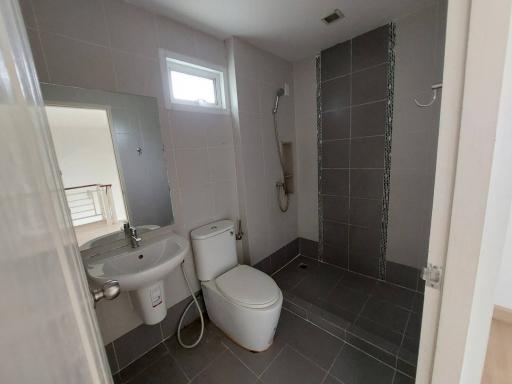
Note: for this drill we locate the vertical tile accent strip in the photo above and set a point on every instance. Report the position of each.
(388, 130)
(318, 65)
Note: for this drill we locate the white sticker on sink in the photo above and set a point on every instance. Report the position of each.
(156, 296)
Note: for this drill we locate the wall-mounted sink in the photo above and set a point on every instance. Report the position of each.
(141, 272)
(111, 237)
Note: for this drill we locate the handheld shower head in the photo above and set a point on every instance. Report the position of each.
(279, 93)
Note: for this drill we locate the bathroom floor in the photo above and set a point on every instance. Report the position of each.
(301, 353)
(341, 302)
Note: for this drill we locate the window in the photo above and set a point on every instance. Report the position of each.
(193, 85)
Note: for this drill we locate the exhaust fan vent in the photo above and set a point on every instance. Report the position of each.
(335, 15)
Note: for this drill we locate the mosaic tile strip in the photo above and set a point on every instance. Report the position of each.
(318, 67)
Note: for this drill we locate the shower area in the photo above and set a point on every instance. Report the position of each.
(377, 116)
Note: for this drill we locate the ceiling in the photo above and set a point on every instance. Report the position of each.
(291, 29)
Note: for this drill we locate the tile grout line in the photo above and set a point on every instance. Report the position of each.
(272, 361)
(327, 374)
(240, 360)
(208, 365)
(177, 362)
(356, 71)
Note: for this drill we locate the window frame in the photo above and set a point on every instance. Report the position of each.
(171, 61)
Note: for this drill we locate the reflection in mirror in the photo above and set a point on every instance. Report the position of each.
(111, 159)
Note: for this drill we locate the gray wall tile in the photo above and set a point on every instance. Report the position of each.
(366, 183)
(367, 152)
(136, 343)
(336, 61)
(370, 49)
(369, 85)
(368, 119)
(335, 154)
(336, 208)
(336, 93)
(336, 124)
(366, 212)
(336, 255)
(335, 182)
(336, 234)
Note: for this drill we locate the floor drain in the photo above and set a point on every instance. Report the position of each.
(303, 266)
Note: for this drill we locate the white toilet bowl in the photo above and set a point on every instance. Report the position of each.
(242, 301)
(247, 314)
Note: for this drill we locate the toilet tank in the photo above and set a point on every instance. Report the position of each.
(214, 247)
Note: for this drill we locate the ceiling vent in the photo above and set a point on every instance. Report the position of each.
(331, 18)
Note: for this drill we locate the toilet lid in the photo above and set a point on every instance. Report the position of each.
(247, 286)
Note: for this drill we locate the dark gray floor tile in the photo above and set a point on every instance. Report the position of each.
(335, 208)
(256, 362)
(358, 282)
(402, 379)
(111, 356)
(336, 124)
(386, 314)
(414, 326)
(336, 61)
(338, 316)
(409, 350)
(402, 275)
(136, 343)
(368, 119)
(336, 154)
(370, 48)
(335, 182)
(376, 334)
(366, 183)
(144, 362)
(295, 272)
(318, 283)
(299, 306)
(283, 255)
(369, 85)
(406, 368)
(227, 369)
(365, 264)
(331, 380)
(308, 339)
(336, 92)
(355, 367)
(308, 248)
(347, 298)
(366, 212)
(117, 379)
(367, 152)
(163, 371)
(394, 294)
(290, 367)
(417, 305)
(192, 361)
(388, 357)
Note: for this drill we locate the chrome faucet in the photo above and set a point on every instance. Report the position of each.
(134, 239)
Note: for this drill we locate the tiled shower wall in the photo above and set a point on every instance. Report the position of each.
(354, 80)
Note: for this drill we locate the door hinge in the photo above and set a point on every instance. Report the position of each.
(432, 274)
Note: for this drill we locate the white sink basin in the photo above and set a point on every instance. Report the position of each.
(141, 271)
(111, 237)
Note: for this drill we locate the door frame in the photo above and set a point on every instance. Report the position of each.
(472, 195)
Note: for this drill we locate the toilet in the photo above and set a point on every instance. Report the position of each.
(242, 301)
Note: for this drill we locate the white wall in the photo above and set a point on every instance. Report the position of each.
(113, 45)
(304, 82)
(84, 148)
(504, 286)
(255, 76)
(419, 53)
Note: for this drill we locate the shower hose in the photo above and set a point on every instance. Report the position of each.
(194, 301)
(282, 193)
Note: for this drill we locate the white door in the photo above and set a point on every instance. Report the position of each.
(476, 43)
(48, 330)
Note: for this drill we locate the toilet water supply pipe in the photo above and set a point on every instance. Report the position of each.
(194, 301)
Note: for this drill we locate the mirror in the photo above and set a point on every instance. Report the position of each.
(111, 158)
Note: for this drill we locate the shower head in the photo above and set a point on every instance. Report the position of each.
(279, 93)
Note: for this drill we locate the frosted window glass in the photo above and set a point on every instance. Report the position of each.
(193, 88)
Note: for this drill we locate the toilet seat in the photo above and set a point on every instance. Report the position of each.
(248, 287)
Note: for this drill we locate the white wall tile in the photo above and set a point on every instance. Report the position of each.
(219, 130)
(83, 20)
(189, 129)
(131, 28)
(225, 200)
(221, 164)
(192, 166)
(71, 62)
(175, 37)
(248, 95)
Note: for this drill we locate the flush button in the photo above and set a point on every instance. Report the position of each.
(213, 227)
